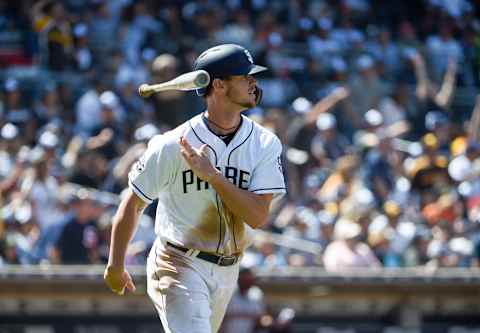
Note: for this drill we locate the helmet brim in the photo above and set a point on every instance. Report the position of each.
(257, 69)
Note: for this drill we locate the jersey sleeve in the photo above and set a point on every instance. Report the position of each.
(268, 176)
(151, 173)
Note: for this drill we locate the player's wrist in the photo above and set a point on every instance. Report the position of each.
(213, 176)
(115, 268)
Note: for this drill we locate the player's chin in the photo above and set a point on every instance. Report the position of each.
(248, 104)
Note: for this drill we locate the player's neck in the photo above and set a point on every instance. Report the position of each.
(223, 122)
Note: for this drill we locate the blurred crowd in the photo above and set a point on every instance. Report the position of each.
(374, 101)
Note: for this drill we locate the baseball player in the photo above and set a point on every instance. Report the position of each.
(215, 177)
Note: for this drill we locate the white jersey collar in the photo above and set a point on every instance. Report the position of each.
(206, 136)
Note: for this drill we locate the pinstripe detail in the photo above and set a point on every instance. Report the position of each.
(199, 139)
(228, 163)
(156, 266)
(220, 219)
(233, 233)
(216, 195)
(249, 134)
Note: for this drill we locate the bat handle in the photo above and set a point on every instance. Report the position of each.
(144, 90)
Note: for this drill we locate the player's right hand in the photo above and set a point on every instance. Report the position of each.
(197, 159)
(117, 279)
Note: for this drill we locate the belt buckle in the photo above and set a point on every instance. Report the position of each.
(226, 260)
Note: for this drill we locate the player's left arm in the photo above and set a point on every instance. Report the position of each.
(124, 224)
(252, 208)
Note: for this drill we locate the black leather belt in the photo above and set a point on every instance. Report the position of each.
(220, 260)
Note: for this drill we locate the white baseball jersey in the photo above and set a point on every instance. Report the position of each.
(190, 213)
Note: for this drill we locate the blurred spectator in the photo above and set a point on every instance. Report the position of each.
(49, 141)
(471, 59)
(429, 170)
(385, 50)
(390, 235)
(321, 45)
(465, 167)
(407, 37)
(102, 24)
(140, 25)
(8, 251)
(395, 107)
(367, 88)
(246, 308)
(24, 231)
(108, 136)
(417, 252)
(347, 252)
(9, 147)
(247, 313)
(83, 55)
(379, 171)
(339, 183)
(117, 178)
(239, 31)
(53, 26)
(78, 241)
(437, 122)
(17, 46)
(41, 188)
(16, 111)
(136, 110)
(88, 108)
(334, 143)
(442, 47)
(49, 108)
(164, 68)
(316, 118)
(91, 167)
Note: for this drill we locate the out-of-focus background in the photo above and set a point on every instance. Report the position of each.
(376, 103)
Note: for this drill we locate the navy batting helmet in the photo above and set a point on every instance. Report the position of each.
(225, 60)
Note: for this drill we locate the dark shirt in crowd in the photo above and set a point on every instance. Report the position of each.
(76, 241)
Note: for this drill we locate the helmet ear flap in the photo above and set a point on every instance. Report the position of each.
(258, 95)
(204, 91)
(201, 92)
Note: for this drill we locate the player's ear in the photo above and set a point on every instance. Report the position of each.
(218, 84)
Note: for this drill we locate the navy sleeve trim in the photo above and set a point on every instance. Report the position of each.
(140, 191)
(270, 188)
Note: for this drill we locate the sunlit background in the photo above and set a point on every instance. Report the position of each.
(376, 104)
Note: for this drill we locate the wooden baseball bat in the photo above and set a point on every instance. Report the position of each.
(188, 81)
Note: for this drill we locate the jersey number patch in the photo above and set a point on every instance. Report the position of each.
(138, 167)
(279, 164)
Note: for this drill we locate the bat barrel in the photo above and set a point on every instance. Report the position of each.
(185, 82)
(202, 79)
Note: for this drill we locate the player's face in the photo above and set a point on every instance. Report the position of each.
(241, 90)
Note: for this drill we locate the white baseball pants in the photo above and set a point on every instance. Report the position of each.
(190, 294)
